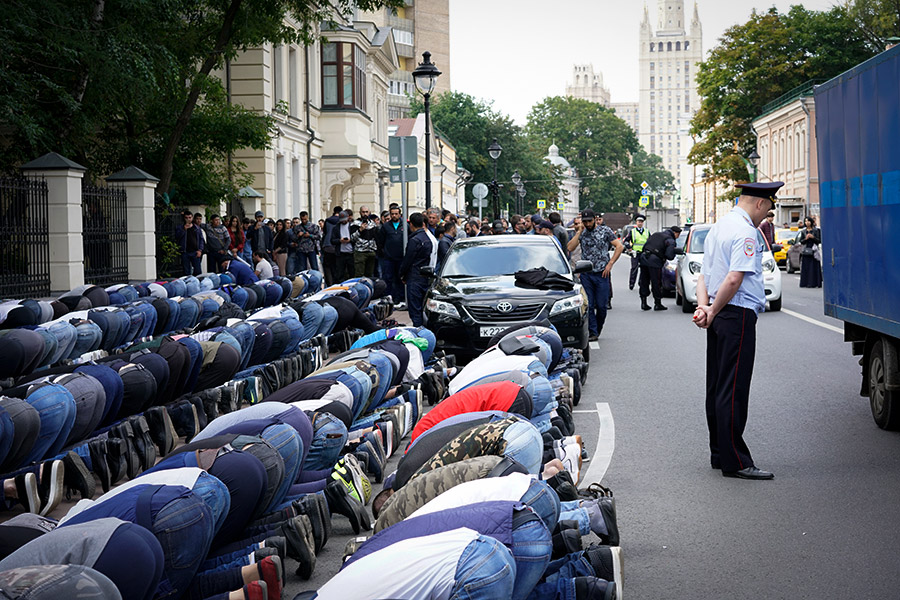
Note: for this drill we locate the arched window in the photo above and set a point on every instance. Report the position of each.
(677, 46)
(775, 157)
(789, 155)
(661, 47)
(652, 47)
(687, 45)
(669, 47)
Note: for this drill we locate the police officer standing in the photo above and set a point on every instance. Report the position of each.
(634, 241)
(421, 251)
(730, 294)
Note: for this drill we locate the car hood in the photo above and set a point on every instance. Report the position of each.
(473, 289)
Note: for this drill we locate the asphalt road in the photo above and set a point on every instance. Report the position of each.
(824, 528)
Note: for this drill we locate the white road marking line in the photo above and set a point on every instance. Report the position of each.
(606, 444)
(813, 321)
(595, 345)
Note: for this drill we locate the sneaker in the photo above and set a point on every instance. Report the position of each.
(352, 546)
(256, 590)
(324, 514)
(571, 460)
(343, 474)
(341, 502)
(594, 588)
(300, 545)
(27, 492)
(77, 477)
(369, 457)
(360, 479)
(564, 487)
(603, 520)
(271, 571)
(400, 306)
(143, 443)
(375, 440)
(307, 505)
(606, 562)
(566, 541)
(387, 436)
(278, 544)
(51, 486)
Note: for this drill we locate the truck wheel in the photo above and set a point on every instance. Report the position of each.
(775, 305)
(885, 404)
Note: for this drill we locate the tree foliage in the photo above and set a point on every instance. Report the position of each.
(600, 146)
(879, 20)
(471, 125)
(755, 63)
(110, 83)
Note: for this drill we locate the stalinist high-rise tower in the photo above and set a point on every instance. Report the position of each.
(668, 89)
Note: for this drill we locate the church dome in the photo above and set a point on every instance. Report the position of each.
(555, 159)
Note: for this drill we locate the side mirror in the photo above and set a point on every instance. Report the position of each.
(584, 266)
(427, 272)
(777, 247)
(679, 251)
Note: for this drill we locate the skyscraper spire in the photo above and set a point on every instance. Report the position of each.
(645, 23)
(696, 26)
(671, 15)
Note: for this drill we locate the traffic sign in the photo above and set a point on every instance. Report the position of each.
(542, 204)
(644, 201)
(480, 191)
(560, 205)
(412, 174)
(645, 185)
(480, 202)
(410, 150)
(645, 192)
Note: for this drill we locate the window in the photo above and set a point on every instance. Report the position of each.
(343, 76)
(652, 47)
(652, 66)
(652, 82)
(678, 46)
(661, 47)
(687, 45)
(669, 47)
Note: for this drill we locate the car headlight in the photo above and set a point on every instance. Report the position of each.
(769, 265)
(570, 303)
(442, 308)
(695, 267)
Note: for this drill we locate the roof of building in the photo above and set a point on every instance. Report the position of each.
(555, 159)
(404, 126)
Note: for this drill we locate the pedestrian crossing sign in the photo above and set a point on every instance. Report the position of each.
(644, 201)
(542, 204)
(560, 205)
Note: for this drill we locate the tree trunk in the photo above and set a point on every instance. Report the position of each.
(222, 39)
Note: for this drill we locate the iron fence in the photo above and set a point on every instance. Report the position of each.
(105, 234)
(24, 238)
(168, 255)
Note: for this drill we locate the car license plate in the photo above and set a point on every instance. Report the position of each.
(491, 331)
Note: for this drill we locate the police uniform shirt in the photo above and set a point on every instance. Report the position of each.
(733, 245)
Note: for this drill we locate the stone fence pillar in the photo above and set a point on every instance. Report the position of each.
(63, 179)
(140, 188)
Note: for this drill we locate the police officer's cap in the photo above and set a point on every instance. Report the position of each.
(760, 189)
(640, 218)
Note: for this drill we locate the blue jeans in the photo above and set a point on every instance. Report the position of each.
(216, 496)
(358, 382)
(189, 313)
(531, 548)
(56, 408)
(191, 264)
(416, 287)
(180, 287)
(485, 571)
(66, 335)
(301, 261)
(329, 319)
(544, 501)
(385, 370)
(390, 272)
(311, 320)
(314, 279)
(596, 286)
(524, 445)
(7, 431)
(286, 441)
(192, 285)
(88, 337)
(184, 528)
(328, 440)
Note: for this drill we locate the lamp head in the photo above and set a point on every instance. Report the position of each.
(495, 149)
(425, 75)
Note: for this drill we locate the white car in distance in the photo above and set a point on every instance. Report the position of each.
(691, 262)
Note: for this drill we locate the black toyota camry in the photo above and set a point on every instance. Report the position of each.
(476, 294)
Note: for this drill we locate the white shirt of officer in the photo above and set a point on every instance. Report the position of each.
(733, 245)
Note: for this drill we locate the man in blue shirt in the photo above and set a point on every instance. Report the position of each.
(243, 274)
(730, 294)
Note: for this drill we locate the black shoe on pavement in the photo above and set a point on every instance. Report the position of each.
(100, 463)
(658, 305)
(77, 477)
(341, 502)
(644, 305)
(593, 337)
(749, 473)
(277, 543)
(594, 588)
(162, 432)
(300, 544)
(308, 506)
(606, 562)
(566, 541)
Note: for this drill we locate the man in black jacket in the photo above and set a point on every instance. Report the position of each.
(658, 249)
(421, 251)
(261, 237)
(342, 242)
(389, 242)
(329, 256)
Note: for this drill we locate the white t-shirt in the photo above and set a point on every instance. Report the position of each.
(509, 488)
(490, 363)
(336, 393)
(185, 477)
(412, 569)
(264, 270)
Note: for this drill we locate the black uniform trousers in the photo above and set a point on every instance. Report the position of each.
(651, 279)
(635, 265)
(730, 352)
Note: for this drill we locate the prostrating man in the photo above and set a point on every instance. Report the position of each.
(732, 280)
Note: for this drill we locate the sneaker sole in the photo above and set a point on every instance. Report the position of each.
(57, 474)
(33, 495)
(618, 565)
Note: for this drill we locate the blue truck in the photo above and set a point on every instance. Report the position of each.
(858, 130)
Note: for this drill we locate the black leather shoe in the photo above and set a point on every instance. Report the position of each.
(162, 432)
(309, 507)
(99, 464)
(77, 477)
(300, 544)
(322, 501)
(660, 306)
(749, 473)
(644, 305)
(606, 561)
(143, 443)
(342, 503)
(566, 542)
(117, 455)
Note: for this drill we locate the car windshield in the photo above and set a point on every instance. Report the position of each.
(487, 260)
(698, 237)
(782, 235)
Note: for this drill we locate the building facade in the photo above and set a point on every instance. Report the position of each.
(668, 89)
(630, 112)
(419, 26)
(569, 187)
(330, 102)
(786, 144)
(588, 85)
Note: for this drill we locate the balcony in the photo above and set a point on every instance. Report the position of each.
(400, 23)
(406, 50)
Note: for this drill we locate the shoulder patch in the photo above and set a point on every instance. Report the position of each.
(749, 246)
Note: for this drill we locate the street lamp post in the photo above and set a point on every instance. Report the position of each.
(754, 160)
(494, 151)
(517, 181)
(425, 76)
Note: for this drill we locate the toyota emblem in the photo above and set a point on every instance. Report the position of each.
(504, 307)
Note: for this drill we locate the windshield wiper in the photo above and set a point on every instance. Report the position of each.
(458, 275)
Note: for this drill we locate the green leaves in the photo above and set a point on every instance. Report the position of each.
(755, 63)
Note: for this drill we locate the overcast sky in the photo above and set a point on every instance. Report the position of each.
(517, 52)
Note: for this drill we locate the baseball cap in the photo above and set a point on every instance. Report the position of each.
(588, 213)
(259, 213)
(343, 216)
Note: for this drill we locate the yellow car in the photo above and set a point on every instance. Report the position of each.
(784, 237)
